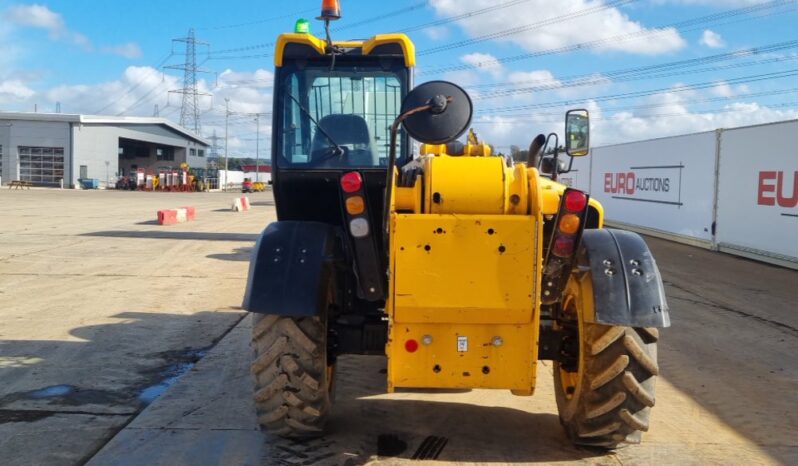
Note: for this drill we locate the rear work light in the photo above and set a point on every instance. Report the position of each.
(351, 182)
(355, 205)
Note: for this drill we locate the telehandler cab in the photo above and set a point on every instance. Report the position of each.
(463, 268)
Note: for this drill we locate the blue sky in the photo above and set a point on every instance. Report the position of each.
(104, 56)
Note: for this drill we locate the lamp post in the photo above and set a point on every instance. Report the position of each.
(257, 148)
(226, 125)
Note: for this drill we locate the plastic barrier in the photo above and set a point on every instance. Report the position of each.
(173, 216)
(241, 204)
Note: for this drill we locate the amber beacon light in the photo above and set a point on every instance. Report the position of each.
(330, 10)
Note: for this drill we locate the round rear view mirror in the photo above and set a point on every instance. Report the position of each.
(448, 117)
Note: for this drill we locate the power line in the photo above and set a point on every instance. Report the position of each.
(601, 79)
(257, 22)
(646, 93)
(693, 23)
(623, 108)
(679, 64)
(468, 14)
(518, 29)
(135, 86)
(384, 16)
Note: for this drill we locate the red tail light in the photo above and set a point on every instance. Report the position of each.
(575, 201)
(411, 346)
(351, 182)
(563, 246)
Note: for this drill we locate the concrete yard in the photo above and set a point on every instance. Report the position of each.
(101, 311)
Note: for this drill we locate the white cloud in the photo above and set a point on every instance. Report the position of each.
(722, 89)
(41, 17)
(602, 24)
(37, 16)
(15, 89)
(483, 62)
(436, 32)
(712, 39)
(130, 50)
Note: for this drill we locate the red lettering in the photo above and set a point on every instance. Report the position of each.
(766, 188)
(630, 183)
(783, 201)
(608, 182)
(621, 182)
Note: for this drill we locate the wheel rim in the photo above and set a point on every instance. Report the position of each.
(571, 380)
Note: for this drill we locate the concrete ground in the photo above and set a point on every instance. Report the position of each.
(99, 332)
(100, 308)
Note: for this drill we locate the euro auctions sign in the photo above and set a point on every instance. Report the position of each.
(665, 185)
(778, 189)
(657, 183)
(758, 190)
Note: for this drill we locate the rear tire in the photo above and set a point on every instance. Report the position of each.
(292, 378)
(606, 402)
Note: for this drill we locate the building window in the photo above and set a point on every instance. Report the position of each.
(201, 152)
(165, 154)
(193, 152)
(43, 165)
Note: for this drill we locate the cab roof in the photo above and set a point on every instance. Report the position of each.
(298, 45)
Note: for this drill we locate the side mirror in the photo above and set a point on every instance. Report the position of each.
(577, 133)
(447, 118)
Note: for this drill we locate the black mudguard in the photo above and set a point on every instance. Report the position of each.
(627, 286)
(291, 268)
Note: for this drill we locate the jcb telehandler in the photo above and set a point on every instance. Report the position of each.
(463, 268)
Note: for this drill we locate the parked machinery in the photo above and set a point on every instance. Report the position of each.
(461, 267)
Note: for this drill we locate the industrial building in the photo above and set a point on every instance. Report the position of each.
(48, 149)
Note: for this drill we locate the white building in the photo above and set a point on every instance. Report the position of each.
(46, 148)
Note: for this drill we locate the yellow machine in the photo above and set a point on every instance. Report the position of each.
(463, 267)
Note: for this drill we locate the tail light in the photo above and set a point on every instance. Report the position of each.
(351, 182)
(564, 242)
(359, 227)
(355, 205)
(361, 238)
(411, 346)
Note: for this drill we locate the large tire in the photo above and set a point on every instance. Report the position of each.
(292, 377)
(606, 400)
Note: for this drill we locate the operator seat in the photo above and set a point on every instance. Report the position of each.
(347, 130)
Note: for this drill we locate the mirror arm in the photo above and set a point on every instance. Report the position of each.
(543, 152)
(386, 209)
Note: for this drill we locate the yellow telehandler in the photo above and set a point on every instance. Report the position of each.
(463, 268)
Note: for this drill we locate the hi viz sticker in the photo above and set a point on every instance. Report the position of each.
(462, 344)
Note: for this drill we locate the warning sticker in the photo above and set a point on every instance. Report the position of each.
(462, 344)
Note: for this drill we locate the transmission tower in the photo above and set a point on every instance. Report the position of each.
(214, 154)
(190, 109)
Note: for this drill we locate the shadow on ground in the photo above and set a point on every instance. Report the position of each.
(77, 394)
(367, 424)
(176, 235)
(239, 255)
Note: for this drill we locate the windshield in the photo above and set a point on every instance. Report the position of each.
(338, 118)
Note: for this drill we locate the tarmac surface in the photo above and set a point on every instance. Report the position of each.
(121, 343)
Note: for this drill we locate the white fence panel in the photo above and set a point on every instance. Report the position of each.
(758, 192)
(662, 186)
